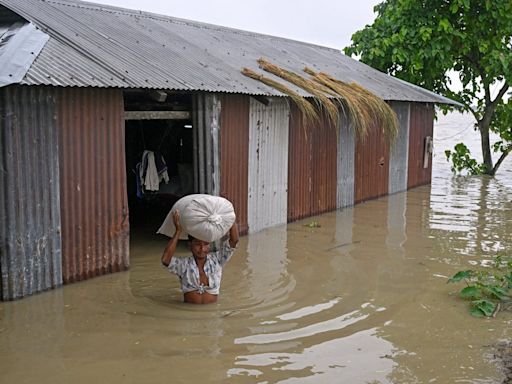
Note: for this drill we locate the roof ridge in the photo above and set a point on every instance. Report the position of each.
(175, 20)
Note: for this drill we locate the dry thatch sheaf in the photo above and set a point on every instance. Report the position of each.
(308, 110)
(363, 109)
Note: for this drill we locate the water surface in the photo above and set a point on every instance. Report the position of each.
(361, 299)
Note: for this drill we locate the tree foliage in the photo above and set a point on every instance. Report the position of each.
(426, 41)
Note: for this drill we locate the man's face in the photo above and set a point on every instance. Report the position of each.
(199, 248)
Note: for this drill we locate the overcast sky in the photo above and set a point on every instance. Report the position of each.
(329, 23)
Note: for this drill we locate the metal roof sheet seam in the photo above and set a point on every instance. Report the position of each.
(110, 47)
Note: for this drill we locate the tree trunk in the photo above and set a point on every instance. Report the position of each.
(483, 127)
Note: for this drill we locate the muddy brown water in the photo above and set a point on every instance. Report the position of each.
(361, 299)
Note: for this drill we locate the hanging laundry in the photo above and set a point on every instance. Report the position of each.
(161, 167)
(151, 182)
(150, 172)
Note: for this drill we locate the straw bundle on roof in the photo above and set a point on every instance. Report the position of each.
(365, 109)
(309, 112)
(314, 88)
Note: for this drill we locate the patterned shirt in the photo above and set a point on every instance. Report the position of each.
(188, 272)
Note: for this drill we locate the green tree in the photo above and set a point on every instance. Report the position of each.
(424, 41)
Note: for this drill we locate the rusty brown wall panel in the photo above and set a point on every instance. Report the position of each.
(94, 207)
(421, 126)
(234, 154)
(312, 176)
(371, 166)
(323, 165)
(299, 167)
(30, 225)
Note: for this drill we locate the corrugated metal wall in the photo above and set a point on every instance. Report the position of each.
(371, 166)
(234, 154)
(421, 126)
(94, 206)
(312, 178)
(268, 163)
(299, 167)
(324, 169)
(399, 151)
(206, 127)
(346, 165)
(30, 246)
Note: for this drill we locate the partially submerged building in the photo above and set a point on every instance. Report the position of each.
(85, 89)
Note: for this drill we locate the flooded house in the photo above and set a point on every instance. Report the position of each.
(87, 92)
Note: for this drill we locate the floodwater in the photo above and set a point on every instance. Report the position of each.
(361, 299)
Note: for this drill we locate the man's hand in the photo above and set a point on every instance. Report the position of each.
(176, 220)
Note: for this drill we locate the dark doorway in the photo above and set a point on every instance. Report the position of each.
(158, 129)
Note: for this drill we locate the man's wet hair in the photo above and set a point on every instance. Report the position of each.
(192, 238)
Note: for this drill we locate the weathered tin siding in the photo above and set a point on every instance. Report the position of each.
(234, 154)
(323, 166)
(399, 151)
(421, 127)
(94, 207)
(371, 166)
(206, 127)
(299, 167)
(346, 165)
(311, 167)
(268, 163)
(30, 246)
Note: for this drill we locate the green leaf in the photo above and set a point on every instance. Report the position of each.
(477, 312)
(461, 275)
(444, 25)
(487, 307)
(471, 292)
(498, 292)
(454, 7)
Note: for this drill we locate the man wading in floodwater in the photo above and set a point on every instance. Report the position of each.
(201, 273)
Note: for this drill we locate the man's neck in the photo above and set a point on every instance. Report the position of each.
(200, 262)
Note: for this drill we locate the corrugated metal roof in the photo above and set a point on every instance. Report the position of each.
(19, 46)
(103, 46)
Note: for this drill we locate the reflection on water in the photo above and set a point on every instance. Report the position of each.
(361, 299)
(359, 357)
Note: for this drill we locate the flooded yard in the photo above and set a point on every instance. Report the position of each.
(360, 298)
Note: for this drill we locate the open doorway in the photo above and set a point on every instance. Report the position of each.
(158, 128)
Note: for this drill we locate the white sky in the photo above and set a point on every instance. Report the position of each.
(329, 23)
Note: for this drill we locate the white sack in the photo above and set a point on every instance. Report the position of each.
(205, 217)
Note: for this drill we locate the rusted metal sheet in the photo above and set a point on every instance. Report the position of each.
(421, 127)
(268, 163)
(234, 154)
(312, 177)
(346, 165)
(94, 206)
(399, 151)
(299, 167)
(323, 165)
(30, 246)
(371, 166)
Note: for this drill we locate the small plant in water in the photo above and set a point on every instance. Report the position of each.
(313, 224)
(487, 289)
